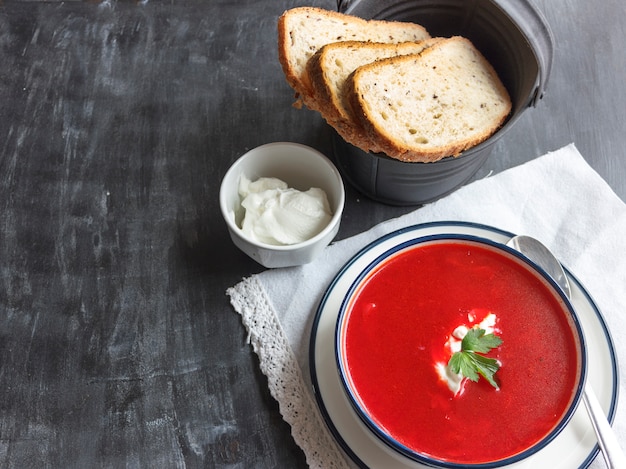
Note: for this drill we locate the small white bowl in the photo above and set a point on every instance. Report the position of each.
(301, 167)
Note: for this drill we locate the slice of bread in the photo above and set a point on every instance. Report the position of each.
(329, 68)
(432, 105)
(304, 30)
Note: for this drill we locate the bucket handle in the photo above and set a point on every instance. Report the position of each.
(538, 33)
(535, 28)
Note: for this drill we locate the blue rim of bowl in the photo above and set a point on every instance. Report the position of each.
(443, 225)
(388, 439)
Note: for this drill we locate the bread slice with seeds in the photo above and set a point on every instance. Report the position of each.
(304, 30)
(329, 68)
(432, 105)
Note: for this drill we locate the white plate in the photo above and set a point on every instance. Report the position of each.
(575, 446)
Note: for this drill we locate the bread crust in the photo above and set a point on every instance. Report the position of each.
(328, 81)
(306, 34)
(296, 44)
(327, 102)
(385, 138)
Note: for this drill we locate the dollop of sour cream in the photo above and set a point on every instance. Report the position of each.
(455, 381)
(279, 215)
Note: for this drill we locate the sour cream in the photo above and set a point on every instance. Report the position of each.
(279, 215)
(453, 344)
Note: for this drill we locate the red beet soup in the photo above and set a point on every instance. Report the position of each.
(395, 334)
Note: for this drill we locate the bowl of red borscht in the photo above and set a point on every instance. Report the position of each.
(519, 361)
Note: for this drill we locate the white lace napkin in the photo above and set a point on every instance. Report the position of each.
(557, 198)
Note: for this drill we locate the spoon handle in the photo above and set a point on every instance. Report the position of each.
(613, 455)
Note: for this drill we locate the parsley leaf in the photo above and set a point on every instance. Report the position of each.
(470, 363)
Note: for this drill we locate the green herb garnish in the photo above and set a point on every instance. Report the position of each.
(470, 363)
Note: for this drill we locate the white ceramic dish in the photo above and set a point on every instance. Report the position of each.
(301, 167)
(352, 389)
(575, 446)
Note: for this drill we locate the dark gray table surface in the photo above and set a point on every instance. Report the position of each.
(118, 345)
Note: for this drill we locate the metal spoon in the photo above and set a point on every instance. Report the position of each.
(542, 256)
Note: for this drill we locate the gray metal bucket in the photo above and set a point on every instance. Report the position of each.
(516, 40)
